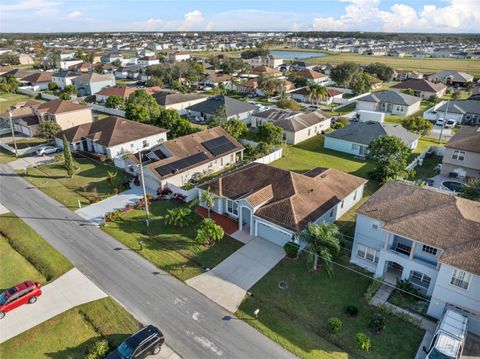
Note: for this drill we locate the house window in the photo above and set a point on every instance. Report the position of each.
(460, 278)
(232, 207)
(402, 248)
(367, 253)
(420, 279)
(429, 250)
(145, 143)
(375, 225)
(308, 132)
(458, 155)
(341, 204)
(355, 196)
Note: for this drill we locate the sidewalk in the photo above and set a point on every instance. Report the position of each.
(68, 291)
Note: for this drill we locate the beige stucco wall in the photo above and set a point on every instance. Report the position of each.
(470, 163)
(73, 118)
(299, 136)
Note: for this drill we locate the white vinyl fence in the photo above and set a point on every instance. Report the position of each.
(276, 154)
(189, 194)
(110, 111)
(21, 151)
(438, 151)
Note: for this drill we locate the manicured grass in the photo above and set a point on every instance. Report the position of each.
(409, 302)
(347, 108)
(310, 153)
(6, 156)
(427, 65)
(38, 252)
(7, 100)
(297, 317)
(70, 333)
(427, 169)
(23, 142)
(170, 248)
(90, 178)
(15, 268)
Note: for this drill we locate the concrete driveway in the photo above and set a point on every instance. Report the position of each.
(68, 291)
(31, 161)
(446, 134)
(228, 282)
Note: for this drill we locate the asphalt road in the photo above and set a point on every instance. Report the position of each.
(194, 326)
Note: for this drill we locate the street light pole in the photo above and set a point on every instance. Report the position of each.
(142, 179)
(444, 121)
(13, 132)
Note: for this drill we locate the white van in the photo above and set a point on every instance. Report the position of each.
(449, 338)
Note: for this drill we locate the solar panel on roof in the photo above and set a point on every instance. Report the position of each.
(219, 145)
(181, 164)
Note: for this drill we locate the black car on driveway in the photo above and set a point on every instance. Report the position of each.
(145, 342)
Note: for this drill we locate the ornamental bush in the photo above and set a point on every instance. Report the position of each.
(334, 325)
(377, 323)
(363, 341)
(291, 249)
(351, 310)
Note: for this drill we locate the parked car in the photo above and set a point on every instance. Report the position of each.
(23, 293)
(47, 150)
(313, 107)
(439, 122)
(145, 342)
(450, 124)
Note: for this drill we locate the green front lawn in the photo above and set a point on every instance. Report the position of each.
(409, 302)
(69, 334)
(296, 317)
(169, 248)
(91, 178)
(7, 100)
(25, 142)
(6, 156)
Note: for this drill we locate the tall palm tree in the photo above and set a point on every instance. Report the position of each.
(208, 198)
(317, 92)
(324, 241)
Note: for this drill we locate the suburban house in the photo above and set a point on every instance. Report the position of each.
(222, 106)
(355, 137)
(37, 79)
(176, 162)
(275, 204)
(267, 60)
(23, 118)
(128, 72)
(297, 126)
(178, 101)
(123, 92)
(450, 77)
(402, 75)
(462, 154)
(148, 60)
(313, 76)
(111, 57)
(463, 111)
(421, 88)
(90, 84)
(251, 87)
(302, 94)
(64, 78)
(266, 71)
(178, 56)
(113, 137)
(389, 102)
(213, 79)
(428, 237)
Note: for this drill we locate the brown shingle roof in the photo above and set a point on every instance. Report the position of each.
(266, 70)
(38, 77)
(110, 131)
(420, 85)
(286, 198)
(60, 106)
(466, 139)
(435, 218)
(310, 74)
(123, 92)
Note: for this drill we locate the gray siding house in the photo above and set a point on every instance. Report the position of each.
(462, 154)
(428, 237)
(90, 84)
(389, 102)
(222, 106)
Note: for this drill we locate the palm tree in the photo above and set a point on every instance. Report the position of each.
(316, 92)
(324, 240)
(270, 85)
(208, 198)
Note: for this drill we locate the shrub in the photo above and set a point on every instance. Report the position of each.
(97, 349)
(334, 325)
(178, 217)
(405, 286)
(291, 249)
(377, 323)
(363, 341)
(351, 310)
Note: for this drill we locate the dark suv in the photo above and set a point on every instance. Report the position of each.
(145, 342)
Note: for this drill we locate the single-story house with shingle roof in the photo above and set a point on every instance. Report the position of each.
(428, 237)
(297, 126)
(274, 203)
(463, 111)
(451, 77)
(421, 88)
(178, 101)
(389, 102)
(216, 105)
(355, 137)
(301, 94)
(40, 79)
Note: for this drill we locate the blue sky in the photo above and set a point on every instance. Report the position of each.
(225, 15)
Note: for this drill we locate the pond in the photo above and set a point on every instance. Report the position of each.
(296, 55)
(452, 185)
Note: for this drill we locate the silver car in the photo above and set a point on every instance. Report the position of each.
(47, 150)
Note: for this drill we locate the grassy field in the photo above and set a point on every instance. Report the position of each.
(169, 248)
(25, 142)
(296, 317)
(45, 259)
(70, 333)
(92, 177)
(6, 156)
(406, 63)
(7, 100)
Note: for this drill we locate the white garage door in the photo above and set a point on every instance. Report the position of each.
(272, 234)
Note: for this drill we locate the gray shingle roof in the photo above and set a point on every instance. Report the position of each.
(232, 106)
(461, 106)
(302, 121)
(366, 132)
(456, 76)
(391, 97)
(166, 98)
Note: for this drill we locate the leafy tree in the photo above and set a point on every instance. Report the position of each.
(249, 152)
(270, 85)
(48, 129)
(64, 96)
(258, 51)
(209, 232)
(324, 240)
(471, 190)
(262, 149)
(344, 73)
(178, 217)
(155, 81)
(52, 86)
(236, 128)
(469, 87)
(114, 102)
(142, 107)
(363, 82)
(177, 126)
(70, 89)
(409, 92)
(9, 84)
(455, 95)
(289, 103)
(233, 65)
(117, 63)
(434, 99)
(417, 124)
(381, 71)
(299, 81)
(208, 197)
(270, 134)
(219, 90)
(390, 155)
(68, 162)
(317, 92)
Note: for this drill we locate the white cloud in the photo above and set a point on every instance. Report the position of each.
(365, 15)
(29, 5)
(75, 14)
(192, 20)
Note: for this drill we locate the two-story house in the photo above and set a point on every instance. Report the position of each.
(90, 84)
(462, 154)
(427, 236)
(389, 102)
(64, 78)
